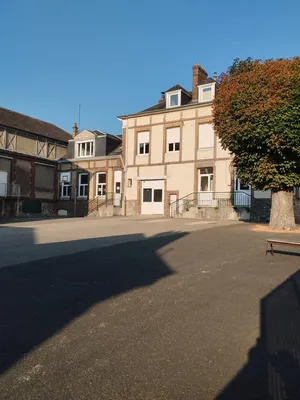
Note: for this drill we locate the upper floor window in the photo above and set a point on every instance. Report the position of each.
(173, 99)
(85, 149)
(206, 136)
(206, 92)
(173, 139)
(143, 143)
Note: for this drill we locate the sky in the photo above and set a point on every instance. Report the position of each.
(115, 57)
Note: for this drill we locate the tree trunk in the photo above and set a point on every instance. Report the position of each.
(282, 211)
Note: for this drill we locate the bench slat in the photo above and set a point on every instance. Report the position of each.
(283, 242)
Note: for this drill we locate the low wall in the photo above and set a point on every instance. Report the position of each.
(215, 213)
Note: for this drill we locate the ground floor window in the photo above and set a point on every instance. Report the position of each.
(65, 178)
(83, 183)
(101, 184)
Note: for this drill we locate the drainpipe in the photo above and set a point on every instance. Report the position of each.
(125, 167)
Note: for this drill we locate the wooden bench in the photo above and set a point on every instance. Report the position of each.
(270, 243)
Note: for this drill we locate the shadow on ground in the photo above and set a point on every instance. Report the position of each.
(273, 368)
(39, 298)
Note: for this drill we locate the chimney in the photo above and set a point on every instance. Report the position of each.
(215, 77)
(163, 98)
(75, 130)
(199, 76)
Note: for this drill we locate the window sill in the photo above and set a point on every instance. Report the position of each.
(64, 198)
(174, 151)
(81, 197)
(92, 155)
(142, 155)
(206, 148)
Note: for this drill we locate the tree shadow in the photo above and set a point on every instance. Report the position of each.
(273, 368)
(39, 298)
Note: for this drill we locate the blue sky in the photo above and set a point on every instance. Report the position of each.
(115, 57)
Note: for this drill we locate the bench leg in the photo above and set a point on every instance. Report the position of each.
(266, 253)
(272, 250)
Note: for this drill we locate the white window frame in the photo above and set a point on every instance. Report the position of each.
(143, 139)
(169, 94)
(79, 146)
(85, 185)
(100, 184)
(200, 92)
(63, 185)
(169, 142)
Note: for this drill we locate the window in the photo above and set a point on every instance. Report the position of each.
(157, 196)
(143, 143)
(65, 178)
(85, 149)
(101, 184)
(129, 182)
(173, 139)
(173, 99)
(147, 195)
(83, 183)
(206, 136)
(206, 93)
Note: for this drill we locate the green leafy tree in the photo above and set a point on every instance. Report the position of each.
(257, 117)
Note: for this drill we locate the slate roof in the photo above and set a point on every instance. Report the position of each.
(15, 120)
(162, 105)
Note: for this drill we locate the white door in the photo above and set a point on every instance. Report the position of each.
(3, 183)
(242, 194)
(152, 197)
(117, 188)
(205, 185)
(173, 205)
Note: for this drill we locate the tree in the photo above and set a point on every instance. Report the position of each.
(257, 117)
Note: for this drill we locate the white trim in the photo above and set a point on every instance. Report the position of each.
(85, 185)
(168, 98)
(151, 178)
(200, 92)
(98, 184)
(84, 141)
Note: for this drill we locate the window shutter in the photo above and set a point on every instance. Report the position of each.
(143, 137)
(206, 136)
(173, 135)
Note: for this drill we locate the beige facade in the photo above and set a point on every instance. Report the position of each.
(180, 170)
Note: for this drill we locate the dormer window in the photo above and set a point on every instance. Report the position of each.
(206, 93)
(173, 99)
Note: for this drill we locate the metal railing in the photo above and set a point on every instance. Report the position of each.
(110, 198)
(211, 199)
(10, 190)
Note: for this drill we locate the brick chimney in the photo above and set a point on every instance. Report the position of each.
(163, 98)
(74, 130)
(199, 76)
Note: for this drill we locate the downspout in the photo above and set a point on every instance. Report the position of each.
(125, 167)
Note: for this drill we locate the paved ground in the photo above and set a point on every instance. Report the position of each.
(169, 310)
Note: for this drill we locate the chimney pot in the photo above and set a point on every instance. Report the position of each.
(163, 98)
(215, 76)
(75, 130)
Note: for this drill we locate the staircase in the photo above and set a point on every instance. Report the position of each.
(221, 206)
(105, 206)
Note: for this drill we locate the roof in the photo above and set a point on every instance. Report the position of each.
(178, 87)
(102, 133)
(117, 151)
(15, 120)
(162, 105)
